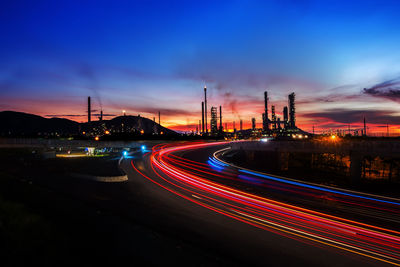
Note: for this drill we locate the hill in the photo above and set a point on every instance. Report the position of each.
(128, 124)
(18, 123)
(24, 124)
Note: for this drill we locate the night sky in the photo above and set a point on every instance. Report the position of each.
(341, 59)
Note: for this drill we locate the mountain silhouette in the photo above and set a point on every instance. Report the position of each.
(14, 123)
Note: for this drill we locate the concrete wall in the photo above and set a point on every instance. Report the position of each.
(356, 150)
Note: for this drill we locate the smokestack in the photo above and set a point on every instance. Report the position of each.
(365, 128)
(253, 123)
(220, 118)
(292, 111)
(205, 108)
(266, 120)
(159, 118)
(202, 117)
(101, 115)
(241, 125)
(89, 109)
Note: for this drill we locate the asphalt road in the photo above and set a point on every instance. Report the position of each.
(251, 220)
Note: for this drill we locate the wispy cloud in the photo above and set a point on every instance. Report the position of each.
(389, 89)
(356, 116)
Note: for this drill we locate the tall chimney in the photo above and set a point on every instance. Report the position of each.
(159, 118)
(101, 115)
(205, 108)
(292, 111)
(241, 124)
(266, 120)
(220, 118)
(89, 109)
(202, 117)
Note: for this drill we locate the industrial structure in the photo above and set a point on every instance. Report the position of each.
(89, 111)
(214, 121)
(292, 111)
(276, 126)
(265, 114)
(271, 125)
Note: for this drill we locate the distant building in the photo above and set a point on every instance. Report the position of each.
(253, 123)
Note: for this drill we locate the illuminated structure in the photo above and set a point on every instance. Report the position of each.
(265, 114)
(214, 121)
(273, 118)
(292, 111)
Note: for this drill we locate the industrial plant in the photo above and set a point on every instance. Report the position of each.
(271, 125)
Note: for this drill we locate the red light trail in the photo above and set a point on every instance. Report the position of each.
(192, 180)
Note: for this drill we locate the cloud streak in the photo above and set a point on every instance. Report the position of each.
(346, 116)
(389, 90)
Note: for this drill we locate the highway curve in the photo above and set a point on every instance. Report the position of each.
(258, 219)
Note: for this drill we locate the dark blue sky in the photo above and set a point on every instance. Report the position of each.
(145, 56)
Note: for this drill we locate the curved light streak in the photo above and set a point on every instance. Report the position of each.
(190, 180)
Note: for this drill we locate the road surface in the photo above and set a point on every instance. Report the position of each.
(256, 219)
